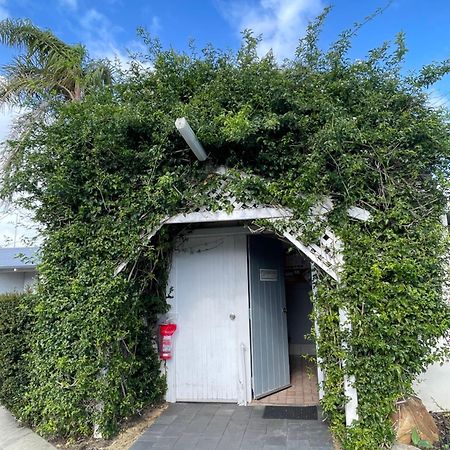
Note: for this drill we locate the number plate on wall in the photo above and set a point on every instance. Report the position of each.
(268, 275)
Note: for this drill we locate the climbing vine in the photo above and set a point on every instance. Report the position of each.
(103, 172)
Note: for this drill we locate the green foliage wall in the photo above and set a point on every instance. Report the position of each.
(103, 172)
(15, 325)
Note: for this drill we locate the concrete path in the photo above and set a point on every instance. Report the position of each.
(227, 427)
(15, 437)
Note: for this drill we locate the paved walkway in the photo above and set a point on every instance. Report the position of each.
(15, 437)
(210, 426)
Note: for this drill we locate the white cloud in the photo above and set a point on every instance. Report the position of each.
(72, 4)
(155, 25)
(4, 13)
(97, 32)
(437, 99)
(7, 116)
(281, 22)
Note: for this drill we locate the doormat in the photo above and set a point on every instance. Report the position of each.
(290, 412)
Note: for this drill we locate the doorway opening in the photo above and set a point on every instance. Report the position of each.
(284, 371)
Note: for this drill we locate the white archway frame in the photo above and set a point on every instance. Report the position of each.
(327, 255)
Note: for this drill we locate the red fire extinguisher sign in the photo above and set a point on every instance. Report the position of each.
(165, 340)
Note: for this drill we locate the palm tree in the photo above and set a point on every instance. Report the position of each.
(47, 66)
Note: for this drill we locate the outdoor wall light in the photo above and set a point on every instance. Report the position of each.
(191, 139)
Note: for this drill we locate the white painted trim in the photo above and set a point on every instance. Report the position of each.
(219, 231)
(358, 213)
(168, 367)
(320, 371)
(244, 377)
(224, 216)
(351, 407)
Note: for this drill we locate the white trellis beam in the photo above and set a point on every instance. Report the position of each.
(311, 255)
(351, 405)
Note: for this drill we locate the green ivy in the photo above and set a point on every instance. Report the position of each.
(103, 172)
(15, 326)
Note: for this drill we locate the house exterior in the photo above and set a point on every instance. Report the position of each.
(17, 268)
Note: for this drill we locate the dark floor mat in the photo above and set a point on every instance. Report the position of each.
(290, 412)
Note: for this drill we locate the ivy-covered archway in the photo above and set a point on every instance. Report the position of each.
(103, 173)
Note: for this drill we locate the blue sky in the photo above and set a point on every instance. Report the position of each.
(108, 29)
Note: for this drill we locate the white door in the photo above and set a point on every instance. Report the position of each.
(210, 295)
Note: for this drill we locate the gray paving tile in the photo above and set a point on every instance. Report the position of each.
(187, 441)
(198, 425)
(156, 429)
(176, 430)
(275, 440)
(257, 425)
(237, 427)
(220, 420)
(142, 445)
(321, 444)
(241, 413)
(226, 410)
(184, 446)
(225, 444)
(181, 420)
(166, 419)
(147, 437)
(175, 408)
(213, 430)
(253, 434)
(207, 443)
(166, 442)
(228, 427)
(209, 409)
(299, 444)
(251, 444)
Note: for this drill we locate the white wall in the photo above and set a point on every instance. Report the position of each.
(29, 278)
(433, 387)
(16, 281)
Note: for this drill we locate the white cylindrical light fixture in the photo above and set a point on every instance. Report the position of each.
(189, 136)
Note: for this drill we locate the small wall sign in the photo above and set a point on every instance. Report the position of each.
(268, 275)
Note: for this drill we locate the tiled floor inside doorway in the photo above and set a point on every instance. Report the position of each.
(303, 392)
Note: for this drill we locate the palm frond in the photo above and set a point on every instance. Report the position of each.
(24, 83)
(21, 33)
(47, 66)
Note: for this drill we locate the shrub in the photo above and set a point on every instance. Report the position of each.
(15, 322)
